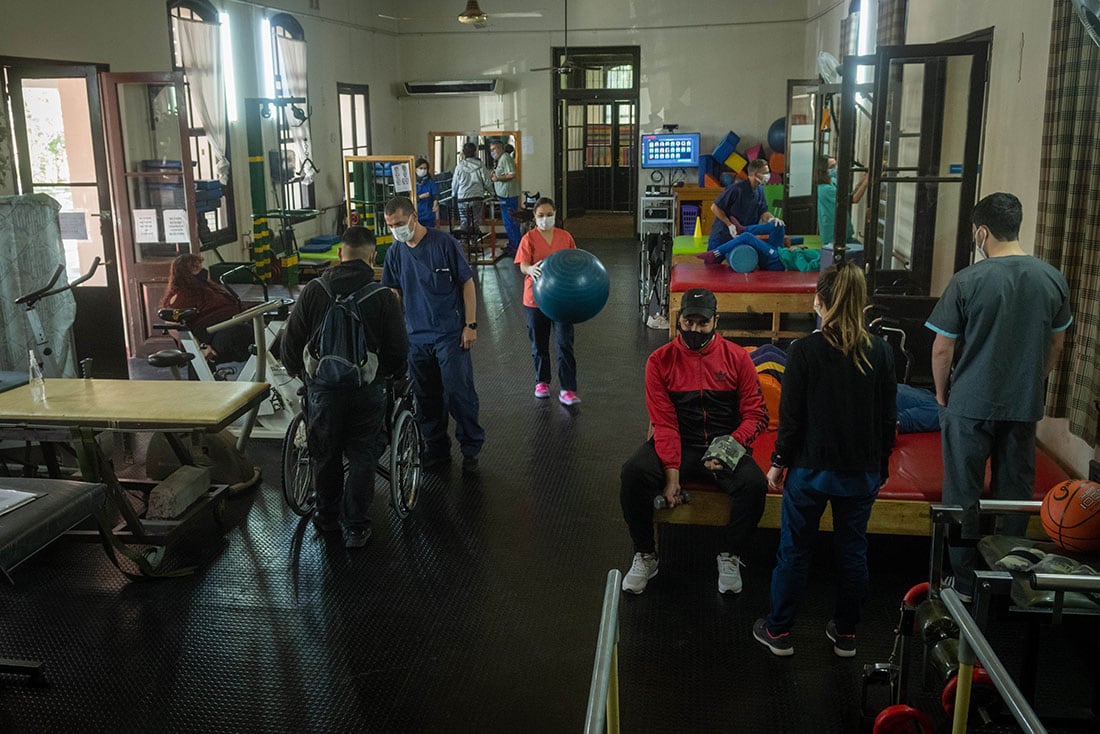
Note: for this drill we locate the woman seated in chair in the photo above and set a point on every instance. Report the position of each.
(190, 287)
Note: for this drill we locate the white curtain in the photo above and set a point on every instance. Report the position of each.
(292, 71)
(200, 47)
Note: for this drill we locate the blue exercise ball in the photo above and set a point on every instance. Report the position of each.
(573, 287)
(777, 135)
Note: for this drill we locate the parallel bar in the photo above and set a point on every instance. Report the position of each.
(973, 637)
(599, 703)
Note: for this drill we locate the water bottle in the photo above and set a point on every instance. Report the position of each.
(660, 503)
(38, 383)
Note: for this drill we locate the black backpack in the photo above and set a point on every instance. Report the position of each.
(339, 356)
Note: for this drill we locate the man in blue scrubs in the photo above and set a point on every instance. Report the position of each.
(741, 214)
(427, 268)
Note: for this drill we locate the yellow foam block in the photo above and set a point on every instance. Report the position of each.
(735, 162)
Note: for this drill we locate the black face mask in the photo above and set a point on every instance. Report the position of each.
(202, 276)
(696, 340)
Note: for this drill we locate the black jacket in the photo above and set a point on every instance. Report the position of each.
(386, 335)
(833, 417)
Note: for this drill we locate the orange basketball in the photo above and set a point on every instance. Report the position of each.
(1071, 515)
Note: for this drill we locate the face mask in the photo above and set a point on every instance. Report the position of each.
(495, 155)
(832, 173)
(421, 173)
(403, 232)
(203, 275)
(696, 340)
(980, 246)
(545, 222)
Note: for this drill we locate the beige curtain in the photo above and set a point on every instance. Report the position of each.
(1068, 224)
(891, 22)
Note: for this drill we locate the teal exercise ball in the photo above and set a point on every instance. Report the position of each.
(573, 287)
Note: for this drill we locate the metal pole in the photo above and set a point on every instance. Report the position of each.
(605, 667)
(973, 644)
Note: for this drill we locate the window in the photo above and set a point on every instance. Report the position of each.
(354, 119)
(288, 61)
(217, 215)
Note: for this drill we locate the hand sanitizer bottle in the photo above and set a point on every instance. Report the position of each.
(38, 383)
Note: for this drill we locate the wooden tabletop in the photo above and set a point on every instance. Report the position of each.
(132, 404)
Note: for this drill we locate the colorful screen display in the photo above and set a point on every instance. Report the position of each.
(670, 150)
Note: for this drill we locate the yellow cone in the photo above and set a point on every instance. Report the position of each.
(698, 228)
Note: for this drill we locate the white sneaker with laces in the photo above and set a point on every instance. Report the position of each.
(729, 575)
(641, 571)
(948, 582)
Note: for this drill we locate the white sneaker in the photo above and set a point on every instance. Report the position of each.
(729, 575)
(657, 321)
(641, 571)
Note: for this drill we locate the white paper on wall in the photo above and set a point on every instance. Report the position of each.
(175, 226)
(145, 226)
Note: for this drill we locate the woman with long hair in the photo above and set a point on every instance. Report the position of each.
(189, 286)
(837, 417)
(534, 247)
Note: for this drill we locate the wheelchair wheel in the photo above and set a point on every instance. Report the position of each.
(297, 472)
(404, 463)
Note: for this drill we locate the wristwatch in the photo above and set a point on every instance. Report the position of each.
(472, 325)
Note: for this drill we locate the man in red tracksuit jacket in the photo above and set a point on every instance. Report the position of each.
(706, 408)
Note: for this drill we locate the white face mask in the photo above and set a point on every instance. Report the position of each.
(494, 154)
(404, 232)
(980, 246)
(545, 223)
(421, 173)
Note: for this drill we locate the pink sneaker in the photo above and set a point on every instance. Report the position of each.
(542, 390)
(568, 397)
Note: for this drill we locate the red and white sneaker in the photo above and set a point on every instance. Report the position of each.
(568, 397)
(542, 390)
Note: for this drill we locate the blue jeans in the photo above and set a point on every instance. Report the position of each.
(346, 423)
(442, 375)
(509, 204)
(802, 508)
(539, 327)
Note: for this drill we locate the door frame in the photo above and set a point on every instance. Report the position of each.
(103, 342)
(136, 277)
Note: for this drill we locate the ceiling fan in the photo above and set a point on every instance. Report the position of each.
(567, 65)
(475, 16)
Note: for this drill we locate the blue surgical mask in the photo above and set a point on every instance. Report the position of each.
(422, 173)
(832, 173)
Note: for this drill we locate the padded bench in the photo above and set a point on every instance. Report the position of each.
(772, 292)
(902, 507)
(60, 506)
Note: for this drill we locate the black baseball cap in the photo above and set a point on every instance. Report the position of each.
(699, 302)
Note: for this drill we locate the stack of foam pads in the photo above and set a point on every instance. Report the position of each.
(771, 363)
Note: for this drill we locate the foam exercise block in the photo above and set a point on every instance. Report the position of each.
(735, 162)
(754, 152)
(776, 162)
(743, 259)
(727, 146)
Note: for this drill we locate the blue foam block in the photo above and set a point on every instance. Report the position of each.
(743, 259)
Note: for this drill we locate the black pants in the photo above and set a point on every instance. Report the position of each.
(643, 478)
(346, 423)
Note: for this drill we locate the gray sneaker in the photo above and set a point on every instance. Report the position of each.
(641, 571)
(779, 644)
(729, 575)
(844, 646)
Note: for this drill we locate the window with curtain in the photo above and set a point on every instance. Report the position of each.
(194, 35)
(288, 45)
(1067, 229)
(354, 102)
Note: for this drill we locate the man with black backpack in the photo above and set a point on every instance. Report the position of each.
(346, 335)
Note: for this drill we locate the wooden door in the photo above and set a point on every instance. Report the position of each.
(58, 130)
(153, 188)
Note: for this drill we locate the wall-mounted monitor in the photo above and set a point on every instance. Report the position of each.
(670, 150)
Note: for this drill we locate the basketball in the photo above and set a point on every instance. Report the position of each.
(1071, 515)
(573, 287)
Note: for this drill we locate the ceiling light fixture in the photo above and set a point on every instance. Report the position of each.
(472, 13)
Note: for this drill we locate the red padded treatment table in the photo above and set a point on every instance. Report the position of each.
(774, 292)
(916, 482)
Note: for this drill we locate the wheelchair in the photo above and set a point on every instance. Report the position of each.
(399, 465)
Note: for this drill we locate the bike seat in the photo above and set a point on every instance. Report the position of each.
(170, 358)
(177, 315)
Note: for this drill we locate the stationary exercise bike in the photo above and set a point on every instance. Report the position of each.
(263, 365)
(42, 349)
